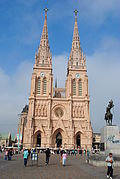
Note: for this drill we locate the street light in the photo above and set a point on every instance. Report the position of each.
(19, 133)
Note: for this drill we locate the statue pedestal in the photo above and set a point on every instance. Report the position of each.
(111, 139)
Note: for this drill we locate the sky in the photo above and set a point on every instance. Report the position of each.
(21, 24)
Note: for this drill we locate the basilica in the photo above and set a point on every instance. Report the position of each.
(58, 117)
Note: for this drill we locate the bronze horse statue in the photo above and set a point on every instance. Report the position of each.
(108, 114)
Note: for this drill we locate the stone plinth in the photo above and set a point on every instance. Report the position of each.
(111, 139)
(99, 160)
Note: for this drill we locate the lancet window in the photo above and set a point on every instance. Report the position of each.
(74, 87)
(80, 87)
(38, 85)
(44, 86)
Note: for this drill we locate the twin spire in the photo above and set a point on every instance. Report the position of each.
(76, 40)
(44, 58)
(44, 38)
(76, 60)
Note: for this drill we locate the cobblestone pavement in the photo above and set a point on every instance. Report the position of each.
(76, 168)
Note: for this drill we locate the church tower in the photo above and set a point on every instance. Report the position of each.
(41, 91)
(77, 92)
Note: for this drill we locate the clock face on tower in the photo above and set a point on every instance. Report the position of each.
(42, 74)
(77, 75)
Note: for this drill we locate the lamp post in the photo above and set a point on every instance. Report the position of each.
(18, 137)
(19, 134)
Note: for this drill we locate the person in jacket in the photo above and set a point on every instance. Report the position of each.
(110, 161)
(47, 156)
(25, 154)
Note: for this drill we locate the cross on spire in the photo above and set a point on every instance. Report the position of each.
(75, 11)
(46, 9)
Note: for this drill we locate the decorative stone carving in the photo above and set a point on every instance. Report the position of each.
(41, 110)
(78, 111)
(59, 112)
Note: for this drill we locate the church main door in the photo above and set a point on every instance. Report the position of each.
(78, 142)
(58, 139)
(38, 140)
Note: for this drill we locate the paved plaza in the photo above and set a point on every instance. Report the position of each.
(76, 168)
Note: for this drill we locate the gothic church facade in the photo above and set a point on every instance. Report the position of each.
(54, 120)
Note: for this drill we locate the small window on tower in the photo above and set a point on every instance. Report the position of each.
(80, 88)
(74, 87)
(38, 85)
(44, 86)
(76, 63)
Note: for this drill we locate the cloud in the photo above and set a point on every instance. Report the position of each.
(104, 73)
(14, 93)
(97, 11)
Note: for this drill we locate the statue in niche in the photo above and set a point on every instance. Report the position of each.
(42, 110)
(82, 112)
(73, 111)
(76, 111)
(36, 111)
(45, 111)
(79, 111)
(39, 110)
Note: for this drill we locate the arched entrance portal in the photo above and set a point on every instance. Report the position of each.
(78, 141)
(58, 139)
(39, 140)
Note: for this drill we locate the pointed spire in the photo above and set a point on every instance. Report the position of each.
(76, 40)
(44, 57)
(76, 54)
(44, 37)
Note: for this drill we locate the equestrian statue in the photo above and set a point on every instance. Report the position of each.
(108, 114)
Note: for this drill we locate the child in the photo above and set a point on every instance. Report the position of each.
(64, 156)
(109, 161)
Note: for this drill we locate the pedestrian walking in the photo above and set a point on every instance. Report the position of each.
(61, 153)
(6, 155)
(64, 157)
(25, 156)
(47, 156)
(110, 161)
(88, 155)
(9, 155)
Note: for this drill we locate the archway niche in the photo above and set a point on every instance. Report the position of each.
(78, 140)
(58, 139)
(38, 140)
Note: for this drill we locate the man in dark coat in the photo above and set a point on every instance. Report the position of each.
(47, 155)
